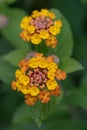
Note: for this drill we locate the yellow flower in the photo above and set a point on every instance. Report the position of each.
(54, 30)
(35, 13)
(52, 66)
(34, 91)
(18, 86)
(36, 78)
(43, 63)
(40, 26)
(51, 75)
(51, 84)
(51, 15)
(35, 39)
(24, 22)
(25, 89)
(44, 12)
(32, 60)
(58, 23)
(31, 29)
(44, 34)
(33, 63)
(23, 79)
(18, 73)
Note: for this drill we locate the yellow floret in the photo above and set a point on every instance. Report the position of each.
(18, 73)
(51, 84)
(44, 12)
(32, 60)
(51, 75)
(33, 63)
(31, 29)
(35, 39)
(35, 14)
(34, 91)
(25, 89)
(58, 23)
(54, 30)
(51, 15)
(52, 66)
(25, 22)
(44, 34)
(23, 79)
(42, 64)
(18, 86)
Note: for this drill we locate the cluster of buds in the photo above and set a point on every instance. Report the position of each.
(41, 25)
(37, 78)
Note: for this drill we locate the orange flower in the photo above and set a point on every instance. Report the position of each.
(60, 75)
(50, 58)
(22, 63)
(25, 35)
(30, 100)
(51, 41)
(44, 96)
(13, 84)
(56, 92)
(39, 55)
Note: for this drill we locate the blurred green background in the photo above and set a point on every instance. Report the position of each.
(71, 113)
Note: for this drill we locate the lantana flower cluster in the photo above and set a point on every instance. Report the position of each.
(41, 25)
(37, 78)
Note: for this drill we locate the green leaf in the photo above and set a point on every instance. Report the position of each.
(12, 30)
(80, 51)
(77, 98)
(6, 71)
(67, 124)
(22, 115)
(10, 1)
(65, 39)
(38, 112)
(3, 49)
(83, 86)
(84, 1)
(81, 99)
(41, 111)
(42, 48)
(70, 65)
(15, 56)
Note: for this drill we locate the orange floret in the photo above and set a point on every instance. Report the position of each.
(56, 92)
(60, 75)
(44, 96)
(30, 100)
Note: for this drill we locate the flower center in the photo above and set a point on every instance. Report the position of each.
(41, 22)
(38, 77)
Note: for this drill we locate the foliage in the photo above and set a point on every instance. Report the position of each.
(70, 108)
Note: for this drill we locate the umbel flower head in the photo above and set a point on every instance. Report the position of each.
(37, 78)
(41, 25)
